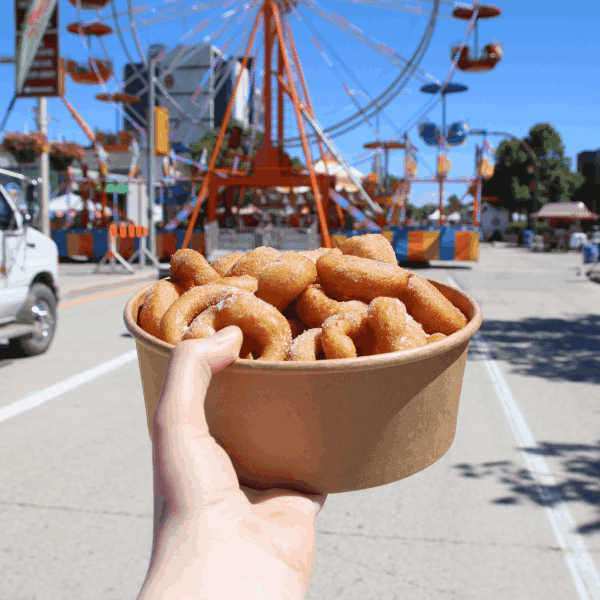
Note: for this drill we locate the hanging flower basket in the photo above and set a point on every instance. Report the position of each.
(62, 154)
(25, 147)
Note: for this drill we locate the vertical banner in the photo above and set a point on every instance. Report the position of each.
(38, 72)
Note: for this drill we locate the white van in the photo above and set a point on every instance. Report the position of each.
(28, 282)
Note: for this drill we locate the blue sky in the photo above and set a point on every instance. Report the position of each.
(549, 72)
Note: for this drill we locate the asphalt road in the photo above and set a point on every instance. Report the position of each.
(510, 512)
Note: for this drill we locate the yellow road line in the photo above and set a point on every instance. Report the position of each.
(101, 296)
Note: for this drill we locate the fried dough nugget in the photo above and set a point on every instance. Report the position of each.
(282, 281)
(314, 306)
(306, 347)
(361, 278)
(188, 306)
(256, 318)
(297, 327)
(370, 245)
(394, 328)
(243, 282)
(436, 337)
(314, 255)
(431, 308)
(189, 269)
(203, 325)
(221, 265)
(156, 303)
(339, 332)
(253, 262)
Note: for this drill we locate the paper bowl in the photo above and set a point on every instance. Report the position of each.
(333, 425)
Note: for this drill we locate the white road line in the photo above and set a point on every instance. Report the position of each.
(62, 387)
(583, 569)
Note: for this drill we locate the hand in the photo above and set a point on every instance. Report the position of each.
(213, 538)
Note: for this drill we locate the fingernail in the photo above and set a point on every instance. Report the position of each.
(227, 331)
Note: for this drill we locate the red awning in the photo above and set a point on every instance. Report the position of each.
(569, 211)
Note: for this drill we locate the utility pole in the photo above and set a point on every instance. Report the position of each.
(151, 154)
(44, 169)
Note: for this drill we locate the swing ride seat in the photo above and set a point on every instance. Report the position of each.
(85, 73)
(430, 133)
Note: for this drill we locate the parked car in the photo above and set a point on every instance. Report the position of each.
(28, 281)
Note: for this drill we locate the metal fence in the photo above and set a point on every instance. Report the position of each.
(243, 239)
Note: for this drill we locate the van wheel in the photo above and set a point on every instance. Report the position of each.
(41, 306)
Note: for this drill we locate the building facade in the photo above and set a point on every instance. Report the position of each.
(196, 90)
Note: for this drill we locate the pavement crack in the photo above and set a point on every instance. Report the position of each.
(112, 513)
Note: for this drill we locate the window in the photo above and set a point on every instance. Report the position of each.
(6, 214)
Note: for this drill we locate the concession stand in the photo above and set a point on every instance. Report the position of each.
(565, 218)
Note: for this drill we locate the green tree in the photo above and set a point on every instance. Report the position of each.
(514, 176)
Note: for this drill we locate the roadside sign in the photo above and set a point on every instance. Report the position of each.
(38, 71)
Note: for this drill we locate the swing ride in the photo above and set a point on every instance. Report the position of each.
(268, 89)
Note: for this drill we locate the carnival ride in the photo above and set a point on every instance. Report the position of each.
(277, 101)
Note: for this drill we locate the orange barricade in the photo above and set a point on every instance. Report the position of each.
(121, 241)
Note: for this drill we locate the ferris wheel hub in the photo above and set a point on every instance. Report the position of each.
(286, 6)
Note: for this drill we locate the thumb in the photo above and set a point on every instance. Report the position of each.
(188, 375)
(188, 463)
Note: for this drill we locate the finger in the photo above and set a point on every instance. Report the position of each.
(187, 459)
(188, 376)
(286, 501)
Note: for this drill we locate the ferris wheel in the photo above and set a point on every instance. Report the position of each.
(362, 53)
(190, 53)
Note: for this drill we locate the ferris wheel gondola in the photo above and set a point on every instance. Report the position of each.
(491, 55)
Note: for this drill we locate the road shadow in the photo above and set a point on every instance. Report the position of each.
(567, 349)
(581, 482)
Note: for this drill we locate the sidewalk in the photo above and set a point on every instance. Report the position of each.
(78, 279)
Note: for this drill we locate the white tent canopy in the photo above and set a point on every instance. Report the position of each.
(333, 167)
(73, 202)
(453, 218)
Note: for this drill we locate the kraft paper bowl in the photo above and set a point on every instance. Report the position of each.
(332, 425)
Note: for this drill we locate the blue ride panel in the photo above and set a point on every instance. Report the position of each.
(446, 243)
(400, 243)
(60, 239)
(100, 242)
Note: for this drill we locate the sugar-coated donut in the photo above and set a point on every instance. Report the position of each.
(223, 264)
(282, 281)
(431, 308)
(187, 307)
(338, 333)
(436, 337)
(253, 262)
(244, 282)
(307, 346)
(361, 278)
(314, 306)
(370, 245)
(203, 325)
(156, 303)
(352, 301)
(256, 318)
(314, 255)
(189, 269)
(394, 329)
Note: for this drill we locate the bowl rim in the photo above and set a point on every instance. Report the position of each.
(322, 366)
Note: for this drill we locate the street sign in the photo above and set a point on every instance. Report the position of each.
(38, 71)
